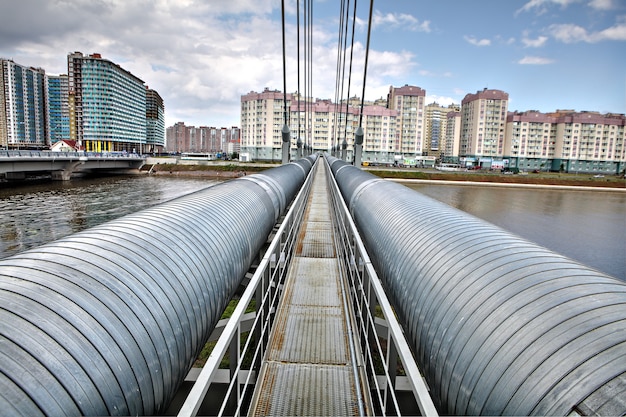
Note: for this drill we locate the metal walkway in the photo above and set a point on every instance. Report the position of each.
(309, 366)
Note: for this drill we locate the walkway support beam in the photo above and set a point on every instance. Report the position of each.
(498, 325)
(109, 321)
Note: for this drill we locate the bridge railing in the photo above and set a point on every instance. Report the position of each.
(381, 338)
(65, 154)
(245, 344)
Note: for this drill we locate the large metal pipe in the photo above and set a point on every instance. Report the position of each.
(499, 325)
(110, 320)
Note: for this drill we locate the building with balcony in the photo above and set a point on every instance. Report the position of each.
(262, 120)
(483, 123)
(23, 107)
(436, 117)
(567, 141)
(453, 135)
(107, 105)
(408, 101)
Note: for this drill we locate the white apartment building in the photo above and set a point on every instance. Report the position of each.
(262, 119)
(408, 101)
(379, 128)
(319, 125)
(483, 123)
(566, 141)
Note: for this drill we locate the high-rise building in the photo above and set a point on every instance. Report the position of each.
(107, 105)
(262, 120)
(58, 109)
(408, 101)
(453, 135)
(155, 122)
(379, 129)
(483, 122)
(23, 107)
(436, 126)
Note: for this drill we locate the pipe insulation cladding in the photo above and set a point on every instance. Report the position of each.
(498, 325)
(108, 321)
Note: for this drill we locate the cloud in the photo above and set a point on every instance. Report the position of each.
(535, 60)
(427, 73)
(541, 6)
(602, 4)
(477, 42)
(571, 33)
(443, 101)
(534, 43)
(398, 20)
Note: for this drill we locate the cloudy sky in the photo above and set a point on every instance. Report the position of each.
(202, 55)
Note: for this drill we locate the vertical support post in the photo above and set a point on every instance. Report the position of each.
(392, 366)
(286, 143)
(233, 400)
(299, 144)
(358, 146)
(344, 147)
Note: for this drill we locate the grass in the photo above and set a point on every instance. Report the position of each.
(210, 345)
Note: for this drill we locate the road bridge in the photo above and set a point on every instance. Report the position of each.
(341, 277)
(17, 164)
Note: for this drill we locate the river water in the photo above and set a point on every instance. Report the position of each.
(34, 214)
(589, 226)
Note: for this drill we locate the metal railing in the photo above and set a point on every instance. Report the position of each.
(66, 154)
(373, 314)
(245, 345)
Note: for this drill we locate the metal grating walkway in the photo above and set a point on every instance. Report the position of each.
(308, 367)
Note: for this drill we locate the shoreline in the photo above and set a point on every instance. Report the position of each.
(235, 170)
(509, 185)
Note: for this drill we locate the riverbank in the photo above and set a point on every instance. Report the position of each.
(234, 169)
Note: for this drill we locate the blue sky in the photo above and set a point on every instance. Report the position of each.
(202, 55)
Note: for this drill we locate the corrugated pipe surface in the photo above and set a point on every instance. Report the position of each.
(498, 325)
(111, 319)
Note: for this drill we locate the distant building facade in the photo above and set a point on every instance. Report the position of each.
(567, 141)
(262, 119)
(155, 122)
(207, 140)
(408, 101)
(453, 137)
(58, 109)
(319, 125)
(483, 123)
(107, 105)
(23, 107)
(436, 118)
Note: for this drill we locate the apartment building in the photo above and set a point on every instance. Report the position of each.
(58, 109)
(452, 138)
(566, 140)
(319, 125)
(483, 123)
(155, 122)
(436, 118)
(23, 107)
(207, 140)
(408, 101)
(379, 128)
(262, 120)
(107, 105)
